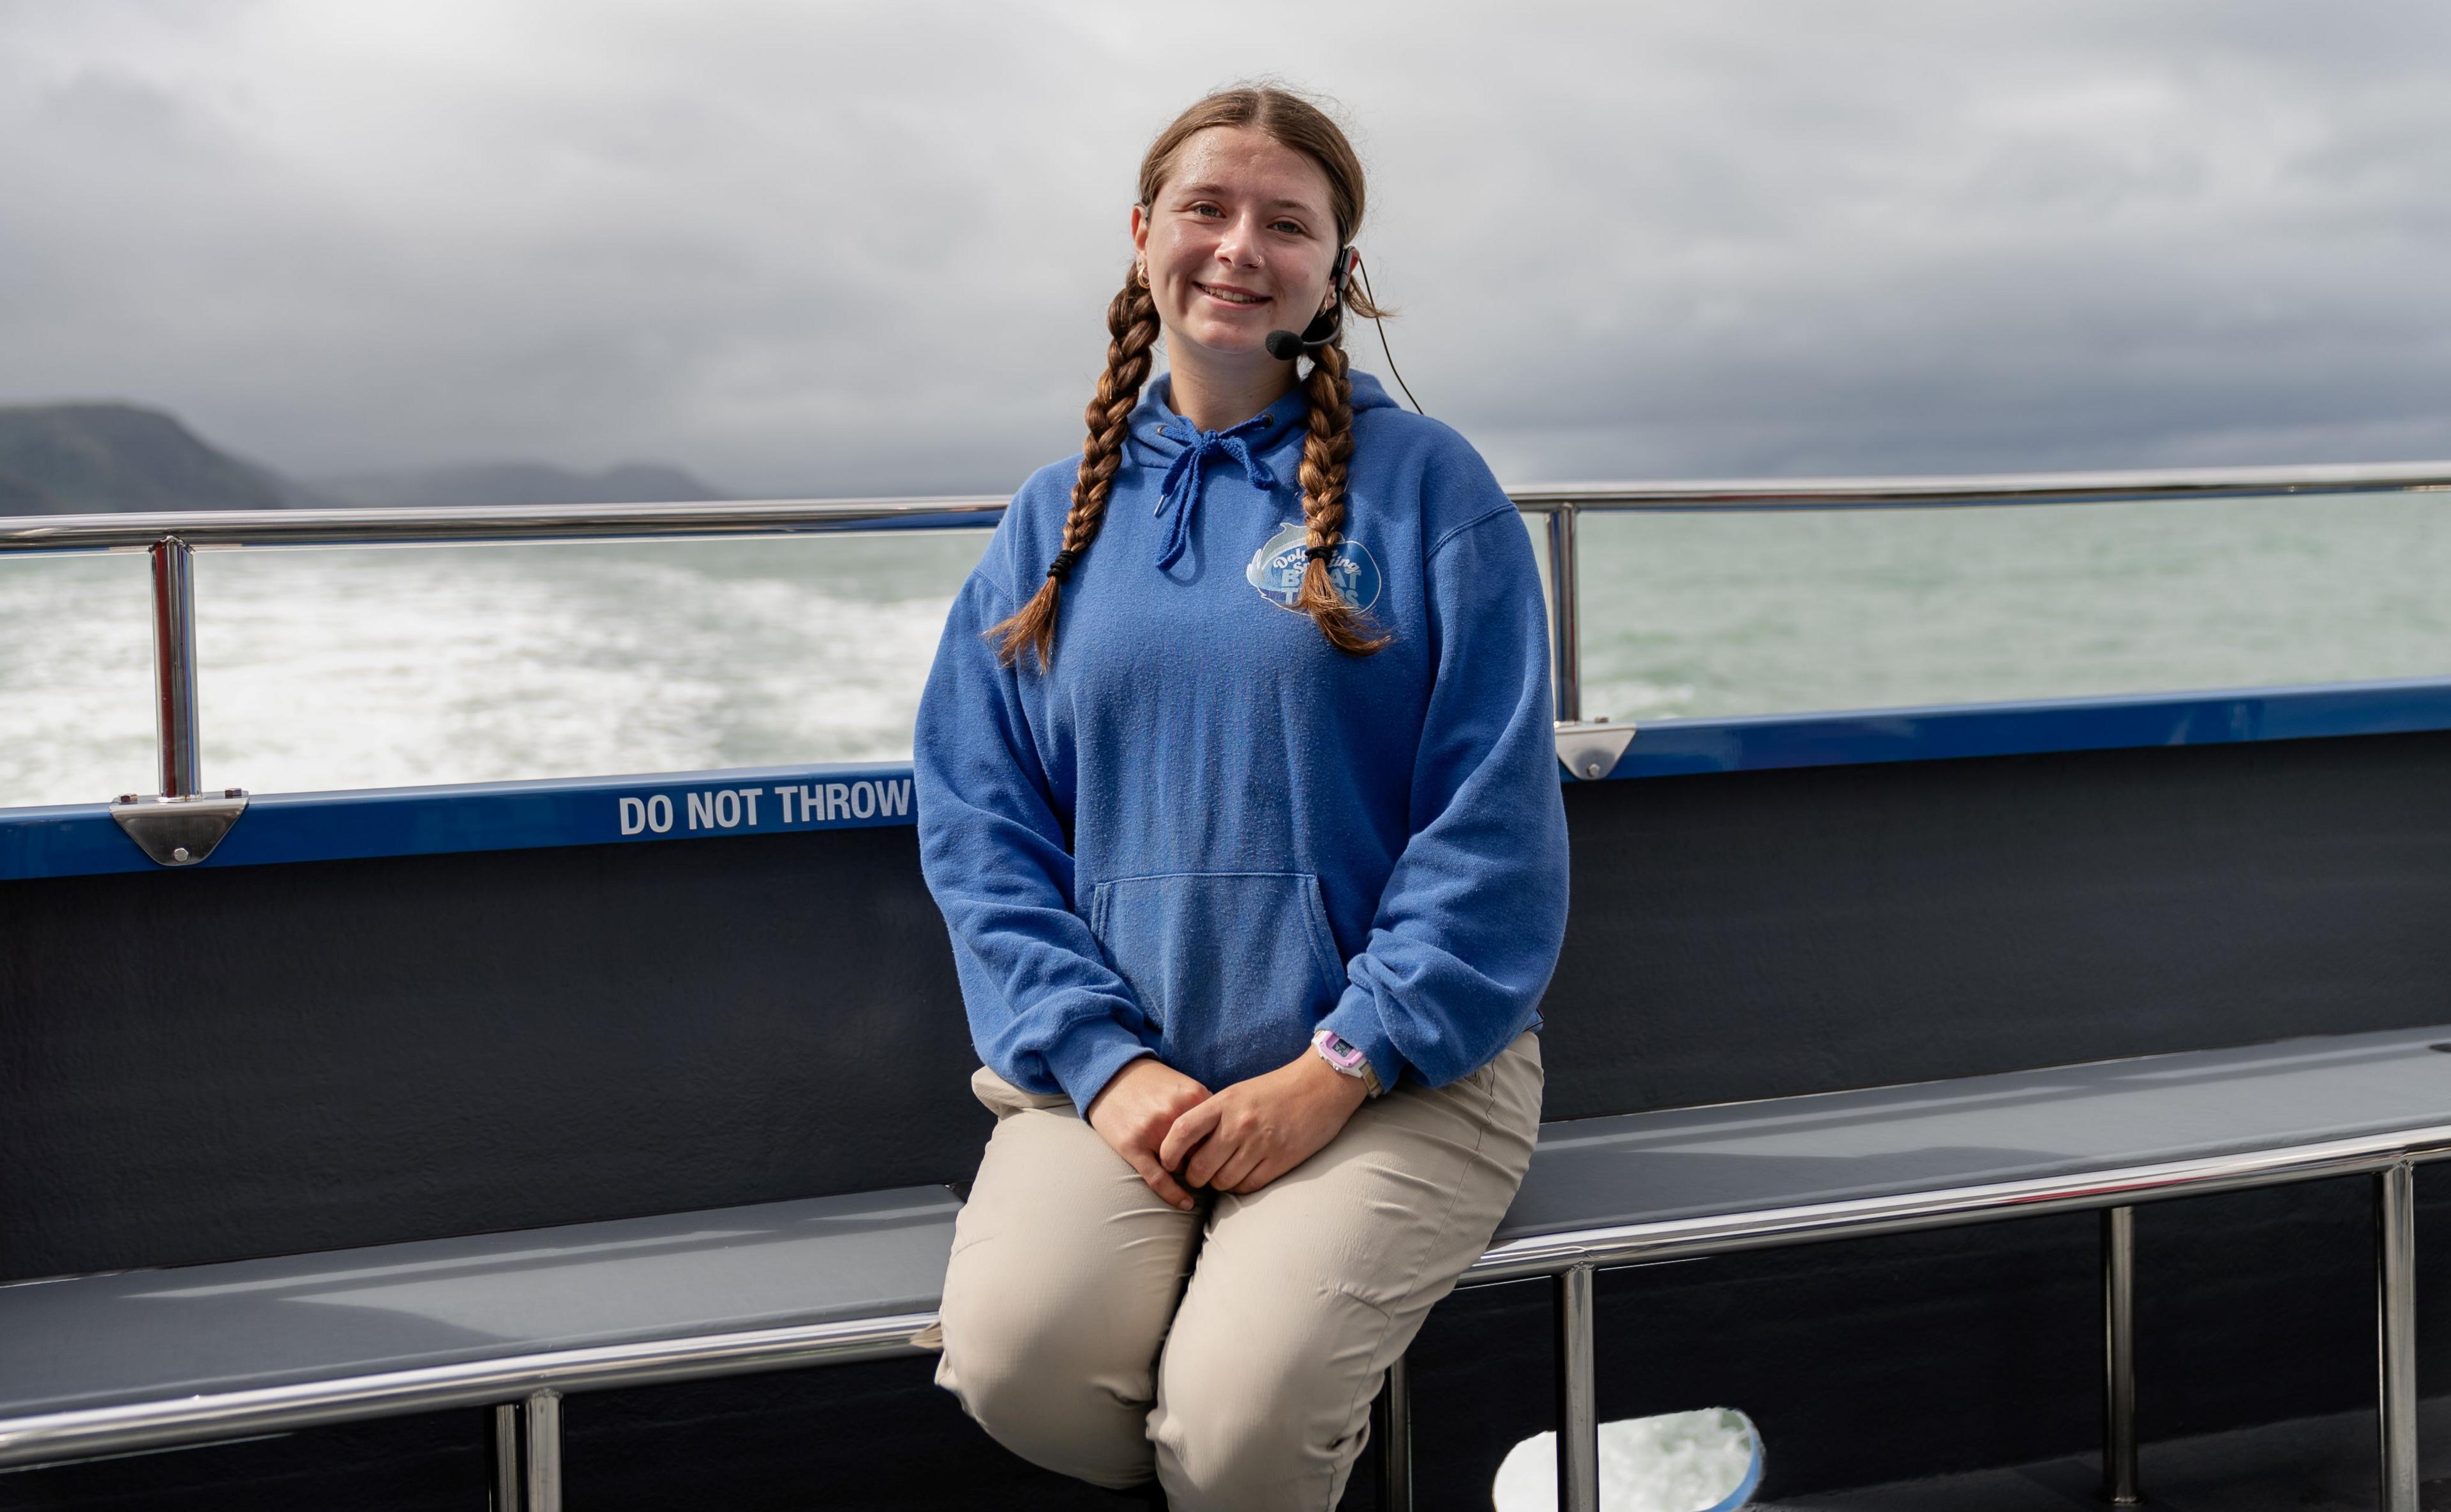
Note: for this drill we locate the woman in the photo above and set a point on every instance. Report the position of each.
(1237, 791)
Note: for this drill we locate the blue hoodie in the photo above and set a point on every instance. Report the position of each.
(1206, 831)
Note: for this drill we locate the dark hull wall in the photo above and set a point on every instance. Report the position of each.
(203, 1065)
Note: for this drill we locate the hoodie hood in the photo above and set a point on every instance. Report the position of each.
(1264, 447)
(1278, 427)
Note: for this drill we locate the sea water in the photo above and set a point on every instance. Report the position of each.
(358, 668)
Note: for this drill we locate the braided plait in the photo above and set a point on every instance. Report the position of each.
(1327, 456)
(1132, 320)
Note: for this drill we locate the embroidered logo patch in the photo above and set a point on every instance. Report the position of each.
(1276, 569)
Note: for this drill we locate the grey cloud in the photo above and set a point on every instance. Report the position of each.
(845, 249)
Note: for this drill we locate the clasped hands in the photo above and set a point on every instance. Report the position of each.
(1180, 1136)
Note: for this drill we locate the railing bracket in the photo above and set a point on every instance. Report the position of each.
(1591, 752)
(179, 831)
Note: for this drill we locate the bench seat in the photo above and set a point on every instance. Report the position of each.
(2018, 1126)
(468, 1319)
(104, 1364)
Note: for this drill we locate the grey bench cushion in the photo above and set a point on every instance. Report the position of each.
(147, 1335)
(1743, 1157)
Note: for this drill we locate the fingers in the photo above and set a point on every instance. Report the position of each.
(1160, 1182)
(1189, 1127)
(1234, 1174)
(1218, 1135)
(1218, 1152)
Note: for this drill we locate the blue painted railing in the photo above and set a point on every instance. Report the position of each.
(1949, 732)
(82, 839)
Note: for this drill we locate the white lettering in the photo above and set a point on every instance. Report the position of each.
(731, 808)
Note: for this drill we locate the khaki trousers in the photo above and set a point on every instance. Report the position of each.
(1234, 1351)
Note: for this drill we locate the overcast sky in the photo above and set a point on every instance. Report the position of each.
(812, 248)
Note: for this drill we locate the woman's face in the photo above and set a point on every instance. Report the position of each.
(1238, 243)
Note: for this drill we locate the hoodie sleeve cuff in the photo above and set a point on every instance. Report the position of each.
(1355, 1019)
(1086, 1055)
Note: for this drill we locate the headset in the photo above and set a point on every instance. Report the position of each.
(1325, 326)
(1329, 324)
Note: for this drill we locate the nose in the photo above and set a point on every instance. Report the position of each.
(1236, 244)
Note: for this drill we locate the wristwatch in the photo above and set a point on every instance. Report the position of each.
(1345, 1057)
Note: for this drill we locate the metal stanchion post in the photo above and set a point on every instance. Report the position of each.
(543, 1451)
(174, 665)
(2396, 1333)
(2119, 1357)
(1579, 1423)
(1394, 1413)
(1565, 621)
(505, 1433)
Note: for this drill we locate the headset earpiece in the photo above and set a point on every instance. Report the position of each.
(1324, 326)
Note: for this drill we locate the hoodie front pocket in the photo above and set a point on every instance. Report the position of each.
(1234, 969)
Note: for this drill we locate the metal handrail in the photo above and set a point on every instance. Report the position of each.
(2113, 487)
(460, 525)
(443, 525)
(172, 537)
(205, 1417)
(1654, 1240)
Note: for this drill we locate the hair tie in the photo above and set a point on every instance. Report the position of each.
(1061, 568)
(1319, 553)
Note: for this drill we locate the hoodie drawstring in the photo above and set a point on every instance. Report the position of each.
(1183, 478)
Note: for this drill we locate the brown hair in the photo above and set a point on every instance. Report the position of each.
(1132, 321)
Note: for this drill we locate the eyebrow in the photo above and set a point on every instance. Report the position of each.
(1303, 206)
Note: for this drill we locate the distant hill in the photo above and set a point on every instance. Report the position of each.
(91, 459)
(520, 484)
(99, 458)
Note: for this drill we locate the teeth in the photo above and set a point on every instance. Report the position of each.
(1232, 297)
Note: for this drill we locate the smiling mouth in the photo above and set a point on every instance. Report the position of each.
(1232, 296)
